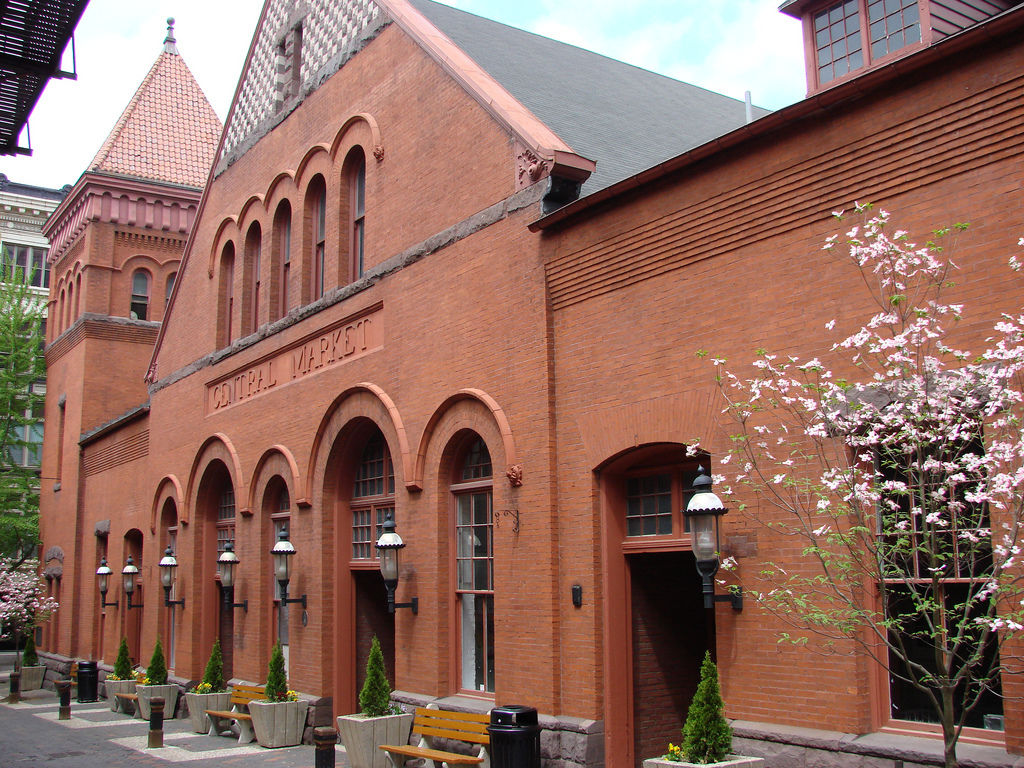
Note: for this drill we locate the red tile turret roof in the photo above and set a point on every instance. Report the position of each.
(168, 132)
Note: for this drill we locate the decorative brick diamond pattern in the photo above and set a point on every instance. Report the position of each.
(331, 31)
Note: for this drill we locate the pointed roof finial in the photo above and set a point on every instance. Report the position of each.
(169, 41)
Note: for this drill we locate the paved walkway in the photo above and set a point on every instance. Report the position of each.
(94, 737)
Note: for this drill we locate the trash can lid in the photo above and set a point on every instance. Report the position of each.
(87, 665)
(514, 715)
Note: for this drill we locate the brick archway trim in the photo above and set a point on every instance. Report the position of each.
(377, 147)
(311, 154)
(414, 481)
(218, 242)
(293, 467)
(396, 422)
(217, 446)
(169, 487)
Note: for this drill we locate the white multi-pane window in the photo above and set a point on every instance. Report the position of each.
(373, 496)
(474, 523)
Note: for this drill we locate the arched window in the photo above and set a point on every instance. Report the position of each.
(71, 301)
(472, 488)
(170, 287)
(373, 496)
(317, 209)
(78, 295)
(281, 260)
(140, 295)
(253, 246)
(225, 517)
(356, 176)
(226, 295)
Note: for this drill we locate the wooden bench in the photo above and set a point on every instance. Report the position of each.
(127, 703)
(241, 696)
(432, 724)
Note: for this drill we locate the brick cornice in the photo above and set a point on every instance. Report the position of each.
(99, 197)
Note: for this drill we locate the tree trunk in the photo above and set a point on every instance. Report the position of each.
(948, 728)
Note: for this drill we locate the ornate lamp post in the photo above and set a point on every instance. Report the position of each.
(226, 564)
(282, 554)
(168, 565)
(129, 573)
(103, 574)
(703, 512)
(388, 546)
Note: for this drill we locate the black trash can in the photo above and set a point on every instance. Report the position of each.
(515, 737)
(88, 681)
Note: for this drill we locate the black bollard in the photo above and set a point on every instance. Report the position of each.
(64, 692)
(15, 688)
(324, 739)
(156, 722)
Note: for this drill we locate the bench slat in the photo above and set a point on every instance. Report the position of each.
(451, 733)
(447, 714)
(433, 754)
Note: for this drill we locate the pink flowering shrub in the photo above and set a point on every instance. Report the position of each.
(902, 484)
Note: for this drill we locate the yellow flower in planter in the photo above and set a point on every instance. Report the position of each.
(675, 753)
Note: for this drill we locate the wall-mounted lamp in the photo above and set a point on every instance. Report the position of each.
(103, 574)
(168, 565)
(282, 554)
(226, 564)
(703, 511)
(388, 546)
(129, 573)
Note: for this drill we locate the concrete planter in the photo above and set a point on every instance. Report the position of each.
(278, 723)
(731, 761)
(148, 692)
(32, 678)
(361, 736)
(198, 703)
(115, 687)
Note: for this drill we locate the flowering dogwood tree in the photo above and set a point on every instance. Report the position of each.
(23, 600)
(903, 484)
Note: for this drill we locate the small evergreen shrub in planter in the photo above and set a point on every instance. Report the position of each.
(211, 693)
(156, 685)
(121, 680)
(707, 737)
(31, 671)
(380, 721)
(280, 720)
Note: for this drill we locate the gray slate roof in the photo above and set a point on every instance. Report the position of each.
(625, 118)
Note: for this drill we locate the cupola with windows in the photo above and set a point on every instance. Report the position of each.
(845, 38)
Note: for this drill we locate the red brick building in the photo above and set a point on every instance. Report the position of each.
(436, 272)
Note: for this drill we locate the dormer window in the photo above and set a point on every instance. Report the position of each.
(841, 29)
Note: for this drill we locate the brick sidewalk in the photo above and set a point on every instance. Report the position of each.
(94, 737)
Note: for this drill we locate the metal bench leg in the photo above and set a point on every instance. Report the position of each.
(245, 733)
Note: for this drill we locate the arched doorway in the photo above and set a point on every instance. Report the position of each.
(216, 527)
(658, 629)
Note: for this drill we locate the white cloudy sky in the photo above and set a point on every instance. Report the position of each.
(728, 46)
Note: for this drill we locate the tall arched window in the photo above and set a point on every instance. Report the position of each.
(71, 301)
(170, 287)
(355, 166)
(226, 295)
(373, 496)
(318, 222)
(78, 295)
(225, 517)
(472, 488)
(140, 295)
(253, 246)
(281, 260)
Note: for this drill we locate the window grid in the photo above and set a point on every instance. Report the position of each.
(475, 587)
(366, 529)
(894, 24)
(477, 464)
(649, 505)
(19, 260)
(320, 243)
(358, 216)
(374, 486)
(140, 295)
(837, 40)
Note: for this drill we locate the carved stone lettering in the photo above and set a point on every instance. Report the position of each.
(336, 345)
